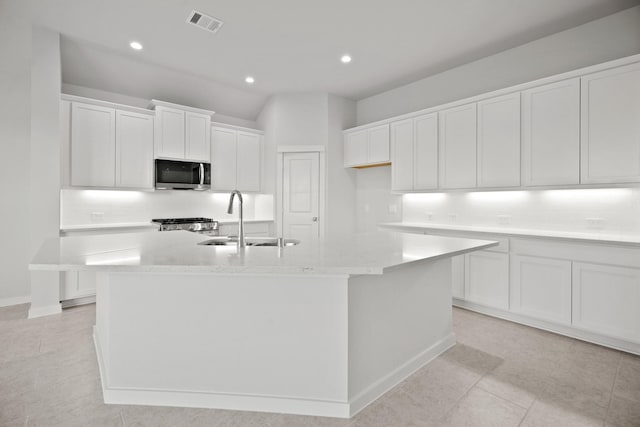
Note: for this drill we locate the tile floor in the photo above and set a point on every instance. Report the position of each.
(499, 374)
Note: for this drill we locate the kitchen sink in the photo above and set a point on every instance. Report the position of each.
(250, 241)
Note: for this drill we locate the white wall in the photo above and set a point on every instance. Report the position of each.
(341, 182)
(605, 39)
(375, 202)
(71, 89)
(44, 192)
(15, 109)
(313, 119)
(564, 210)
(86, 207)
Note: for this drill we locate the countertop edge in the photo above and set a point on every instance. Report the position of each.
(542, 234)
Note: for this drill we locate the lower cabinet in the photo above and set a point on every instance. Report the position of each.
(585, 290)
(606, 299)
(487, 278)
(541, 287)
(77, 284)
(457, 276)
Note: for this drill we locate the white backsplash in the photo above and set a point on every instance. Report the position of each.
(80, 207)
(607, 210)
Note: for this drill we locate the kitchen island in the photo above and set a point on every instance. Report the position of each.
(320, 329)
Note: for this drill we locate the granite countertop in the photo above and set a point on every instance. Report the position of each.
(178, 251)
(586, 237)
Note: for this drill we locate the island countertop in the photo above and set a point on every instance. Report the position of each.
(178, 251)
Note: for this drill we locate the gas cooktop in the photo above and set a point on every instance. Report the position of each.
(198, 225)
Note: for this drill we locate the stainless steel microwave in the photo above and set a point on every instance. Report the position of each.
(182, 175)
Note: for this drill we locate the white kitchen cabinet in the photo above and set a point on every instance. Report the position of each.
(610, 137)
(457, 276)
(551, 134)
(182, 132)
(414, 153)
(498, 144)
(367, 147)
(170, 137)
(606, 299)
(134, 150)
(235, 159)
(457, 147)
(197, 134)
(92, 145)
(77, 284)
(110, 147)
(541, 288)
(487, 278)
(248, 161)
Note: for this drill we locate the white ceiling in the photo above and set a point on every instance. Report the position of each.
(290, 45)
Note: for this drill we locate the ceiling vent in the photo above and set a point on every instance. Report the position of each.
(205, 22)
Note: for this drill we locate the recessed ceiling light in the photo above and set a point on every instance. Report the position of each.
(249, 79)
(135, 45)
(345, 59)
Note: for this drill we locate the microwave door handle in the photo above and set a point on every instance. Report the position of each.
(201, 174)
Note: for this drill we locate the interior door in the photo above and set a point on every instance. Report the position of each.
(300, 196)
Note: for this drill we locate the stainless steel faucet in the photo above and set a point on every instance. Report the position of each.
(241, 242)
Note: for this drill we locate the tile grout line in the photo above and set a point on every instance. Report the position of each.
(444, 416)
(613, 386)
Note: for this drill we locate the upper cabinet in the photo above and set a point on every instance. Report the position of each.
(499, 141)
(134, 150)
(108, 147)
(575, 129)
(458, 147)
(182, 132)
(610, 137)
(414, 153)
(235, 159)
(367, 147)
(93, 145)
(551, 134)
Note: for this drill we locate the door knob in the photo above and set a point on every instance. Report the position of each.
(314, 219)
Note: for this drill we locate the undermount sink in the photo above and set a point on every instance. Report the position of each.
(250, 241)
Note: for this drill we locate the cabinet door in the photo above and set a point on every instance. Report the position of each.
(355, 148)
(457, 276)
(134, 150)
(606, 299)
(425, 169)
(541, 288)
(197, 136)
(402, 155)
(610, 138)
(248, 161)
(169, 133)
(93, 145)
(378, 144)
(551, 134)
(487, 279)
(499, 141)
(457, 165)
(223, 159)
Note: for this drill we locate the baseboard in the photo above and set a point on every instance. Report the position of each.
(215, 400)
(384, 384)
(44, 311)
(570, 331)
(6, 302)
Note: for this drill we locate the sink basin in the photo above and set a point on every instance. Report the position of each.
(250, 241)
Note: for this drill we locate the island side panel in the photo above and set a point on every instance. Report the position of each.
(398, 322)
(268, 343)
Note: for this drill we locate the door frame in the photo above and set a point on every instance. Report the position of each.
(285, 149)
